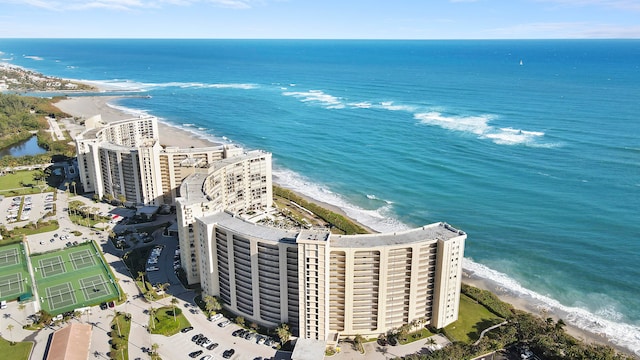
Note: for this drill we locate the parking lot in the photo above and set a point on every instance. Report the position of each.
(33, 206)
(244, 349)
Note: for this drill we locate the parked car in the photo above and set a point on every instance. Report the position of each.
(224, 323)
(195, 354)
(228, 353)
(212, 346)
(215, 317)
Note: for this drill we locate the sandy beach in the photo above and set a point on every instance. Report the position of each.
(86, 107)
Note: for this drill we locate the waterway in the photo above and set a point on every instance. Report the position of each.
(27, 147)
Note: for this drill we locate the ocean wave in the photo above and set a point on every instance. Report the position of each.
(389, 105)
(604, 322)
(373, 197)
(479, 125)
(130, 85)
(317, 96)
(380, 219)
(36, 58)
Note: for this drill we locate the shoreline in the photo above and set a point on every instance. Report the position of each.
(171, 135)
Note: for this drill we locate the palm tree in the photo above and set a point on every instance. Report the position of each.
(163, 287)
(73, 183)
(115, 319)
(357, 341)
(283, 333)
(154, 350)
(21, 307)
(211, 304)
(174, 301)
(10, 327)
(152, 315)
(240, 320)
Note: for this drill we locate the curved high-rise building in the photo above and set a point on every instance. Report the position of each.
(322, 284)
(124, 159)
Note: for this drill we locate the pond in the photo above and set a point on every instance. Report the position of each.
(27, 147)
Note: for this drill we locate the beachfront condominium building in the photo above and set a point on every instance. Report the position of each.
(322, 284)
(125, 160)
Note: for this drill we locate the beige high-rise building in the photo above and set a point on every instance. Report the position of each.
(125, 159)
(323, 285)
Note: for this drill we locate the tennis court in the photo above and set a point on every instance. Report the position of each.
(60, 296)
(94, 287)
(9, 257)
(14, 272)
(51, 266)
(11, 285)
(73, 277)
(82, 259)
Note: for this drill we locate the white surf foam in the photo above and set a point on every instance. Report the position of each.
(317, 96)
(36, 58)
(605, 322)
(129, 85)
(391, 106)
(479, 126)
(379, 219)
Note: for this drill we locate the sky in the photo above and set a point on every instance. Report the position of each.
(321, 19)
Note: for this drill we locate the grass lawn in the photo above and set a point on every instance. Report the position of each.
(164, 323)
(23, 182)
(415, 336)
(19, 351)
(42, 227)
(472, 319)
(120, 343)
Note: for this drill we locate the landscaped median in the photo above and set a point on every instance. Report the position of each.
(167, 320)
(120, 326)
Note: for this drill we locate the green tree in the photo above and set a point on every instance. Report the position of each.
(10, 327)
(358, 340)
(284, 333)
(152, 316)
(240, 320)
(174, 301)
(212, 304)
(154, 350)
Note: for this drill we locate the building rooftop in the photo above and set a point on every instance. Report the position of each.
(436, 231)
(249, 229)
(70, 343)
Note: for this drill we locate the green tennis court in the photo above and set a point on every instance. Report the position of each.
(11, 285)
(51, 266)
(82, 259)
(15, 280)
(9, 257)
(60, 296)
(73, 277)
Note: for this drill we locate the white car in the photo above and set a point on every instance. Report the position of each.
(215, 317)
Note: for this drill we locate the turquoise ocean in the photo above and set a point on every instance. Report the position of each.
(532, 146)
